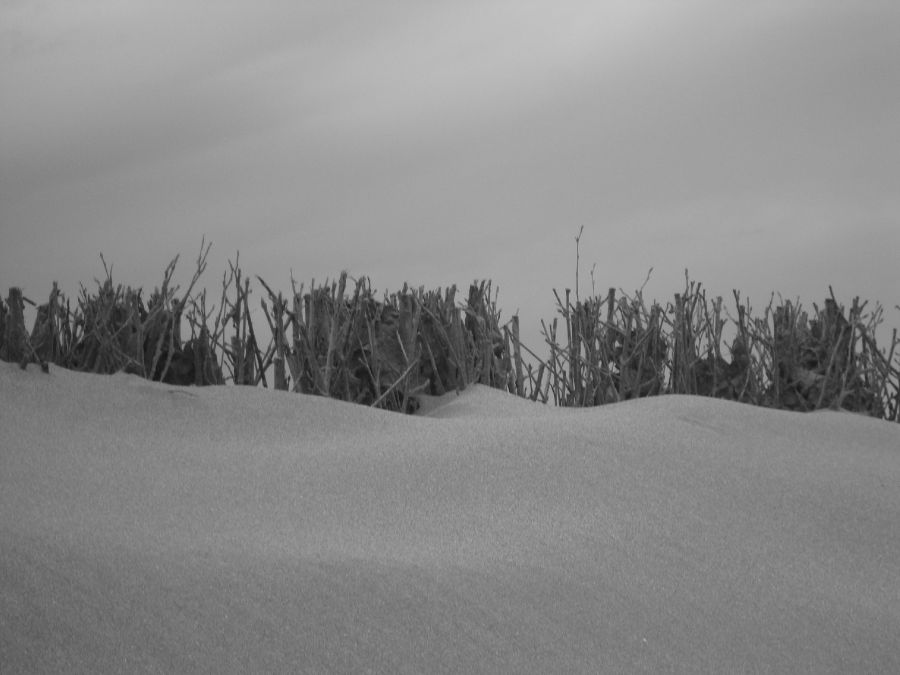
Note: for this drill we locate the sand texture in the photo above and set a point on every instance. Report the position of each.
(151, 528)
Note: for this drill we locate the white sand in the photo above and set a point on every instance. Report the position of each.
(150, 528)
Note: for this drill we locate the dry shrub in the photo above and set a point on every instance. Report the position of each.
(112, 330)
(340, 339)
(349, 344)
(785, 359)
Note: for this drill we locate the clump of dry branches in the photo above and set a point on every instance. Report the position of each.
(112, 329)
(611, 349)
(347, 343)
(337, 339)
(341, 339)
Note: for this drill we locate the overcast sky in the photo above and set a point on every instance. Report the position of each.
(755, 143)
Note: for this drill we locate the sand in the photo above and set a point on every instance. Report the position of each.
(151, 528)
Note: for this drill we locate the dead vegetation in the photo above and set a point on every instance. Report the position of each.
(618, 348)
(341, 339)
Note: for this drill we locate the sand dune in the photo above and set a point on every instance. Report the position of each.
(150, 528)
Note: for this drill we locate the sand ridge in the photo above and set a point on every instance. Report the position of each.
(163, 529)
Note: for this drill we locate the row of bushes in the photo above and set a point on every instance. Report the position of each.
(340, 339)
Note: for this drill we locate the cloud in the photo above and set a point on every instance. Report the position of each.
(469, 136)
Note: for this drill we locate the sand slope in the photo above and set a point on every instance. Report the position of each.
(150, 528)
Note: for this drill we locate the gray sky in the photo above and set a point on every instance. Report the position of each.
(755, 143)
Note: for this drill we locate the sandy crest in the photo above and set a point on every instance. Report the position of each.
(151, 528)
